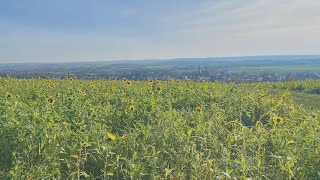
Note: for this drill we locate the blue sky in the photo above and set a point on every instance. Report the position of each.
(92, 30)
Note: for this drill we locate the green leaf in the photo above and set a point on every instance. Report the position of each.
(290, 142)
(190, 132)
(110, 174)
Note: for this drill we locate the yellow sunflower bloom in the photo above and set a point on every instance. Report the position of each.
(199, 109)
(132, 108)
(91, 111)
(50, 100)
(111, 137)
(278, 120)
(158, 88)
(8, 95)
(128, 83)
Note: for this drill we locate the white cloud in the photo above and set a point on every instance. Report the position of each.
(251, 27)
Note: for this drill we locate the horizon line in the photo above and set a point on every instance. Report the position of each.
(158, 59)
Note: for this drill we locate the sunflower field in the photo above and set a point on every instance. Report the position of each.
(103, 129)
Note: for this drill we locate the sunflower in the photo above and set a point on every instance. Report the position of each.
(130, 102)
(111, 137)
(132, 108)
(8, 95)
(278, 120)
(91, 112)
(128, 83)
(50, 100)
(199, 109)
(158, 89)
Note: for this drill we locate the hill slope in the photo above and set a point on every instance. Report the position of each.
(158, 129)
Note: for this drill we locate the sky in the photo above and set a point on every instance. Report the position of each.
(101, 30)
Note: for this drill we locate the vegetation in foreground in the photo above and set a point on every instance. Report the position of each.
(157, 130)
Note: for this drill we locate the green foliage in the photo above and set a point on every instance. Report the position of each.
(73, 129)
(308, 86)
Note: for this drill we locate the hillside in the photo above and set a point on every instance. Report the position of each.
(91, 129)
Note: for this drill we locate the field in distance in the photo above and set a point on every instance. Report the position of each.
(249, 64)
(158, 129)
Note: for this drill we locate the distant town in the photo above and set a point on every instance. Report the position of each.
(202, 76)
(235, 69)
